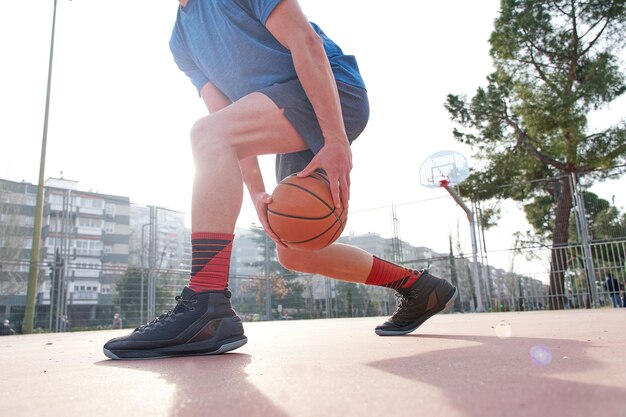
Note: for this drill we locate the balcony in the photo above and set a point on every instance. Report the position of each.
(91, 210)
(86, 273)
(88, 231)
(59, 207)
(96, 253)
(84, 297)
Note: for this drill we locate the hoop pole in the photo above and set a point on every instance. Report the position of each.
(470, 217)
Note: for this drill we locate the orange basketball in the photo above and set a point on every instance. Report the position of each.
(302, 212)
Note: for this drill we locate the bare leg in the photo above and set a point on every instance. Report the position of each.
(339, 261)
(252, 126)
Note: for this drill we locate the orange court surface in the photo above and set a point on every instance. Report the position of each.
(546, 363)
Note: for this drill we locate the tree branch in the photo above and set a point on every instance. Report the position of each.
(556, 6)
(593, 42)
(523, 140)
(595, 135)
(617, 152)
(542, 75)
(571, 76)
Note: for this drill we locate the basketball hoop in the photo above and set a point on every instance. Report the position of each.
(443, 169)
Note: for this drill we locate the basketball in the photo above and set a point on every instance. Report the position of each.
(302, 213)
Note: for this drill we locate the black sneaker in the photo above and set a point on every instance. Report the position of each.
(202, 323)
(426, 297)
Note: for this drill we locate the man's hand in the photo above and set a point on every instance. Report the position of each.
(292, 29)
(336, 159)
(261, 201)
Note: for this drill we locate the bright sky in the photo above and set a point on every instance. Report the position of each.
(121, 110)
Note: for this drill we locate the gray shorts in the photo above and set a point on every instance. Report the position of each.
(290, 97)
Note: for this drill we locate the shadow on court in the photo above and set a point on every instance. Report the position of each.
(207, 385)
(512, 377)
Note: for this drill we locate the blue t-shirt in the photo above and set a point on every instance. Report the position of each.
(226, 42)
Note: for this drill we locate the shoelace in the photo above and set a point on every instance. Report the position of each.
(402, 300)
(181, 306)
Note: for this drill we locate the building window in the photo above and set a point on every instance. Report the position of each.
(90, 222)
(109, 227)
(109, 209)
(88, 247)
(56, 198)
(91, 203)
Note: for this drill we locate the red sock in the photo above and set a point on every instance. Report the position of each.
(210, 261)
(386, 274)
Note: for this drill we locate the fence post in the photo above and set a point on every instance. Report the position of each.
(152, 250)
(268, 283)
(581, 215)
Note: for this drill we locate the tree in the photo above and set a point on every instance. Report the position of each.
(602, 217)
(555, 62)
(292, 297)
(605, 220)
(463, 272)
(346, 292)
(128, 295)
(254, 292)
(358, 299)
(286, 289)
(15, 231)
(454, 278)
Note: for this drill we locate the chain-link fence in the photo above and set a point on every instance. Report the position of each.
(139, 295)
(299, 296)
(305, 297)
(517, 268)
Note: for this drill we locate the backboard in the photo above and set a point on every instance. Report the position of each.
(441, 166)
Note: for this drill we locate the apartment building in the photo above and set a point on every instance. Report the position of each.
(163, 232)
(85, 242)
(17, 213)
(90, 232)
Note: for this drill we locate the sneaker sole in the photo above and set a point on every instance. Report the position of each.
(384, 332)
(157, 354)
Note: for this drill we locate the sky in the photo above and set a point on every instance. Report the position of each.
(121, 111)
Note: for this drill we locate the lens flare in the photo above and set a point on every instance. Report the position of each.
(541, 355)
(503, 329)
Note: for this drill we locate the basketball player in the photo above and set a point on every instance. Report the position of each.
(273, 83)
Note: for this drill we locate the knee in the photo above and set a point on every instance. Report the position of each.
(206, 138)
(292, 259)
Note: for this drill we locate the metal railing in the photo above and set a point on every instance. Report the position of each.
(579, 273)
(300, 296)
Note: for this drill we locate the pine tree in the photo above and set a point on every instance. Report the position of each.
(555, 63)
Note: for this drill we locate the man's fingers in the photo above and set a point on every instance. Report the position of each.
(344, 187)
(266, 225)
(338, 177)
(308, 170)
(335, 192)
(275, 238)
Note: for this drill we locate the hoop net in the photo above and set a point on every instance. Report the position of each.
(443, 168)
